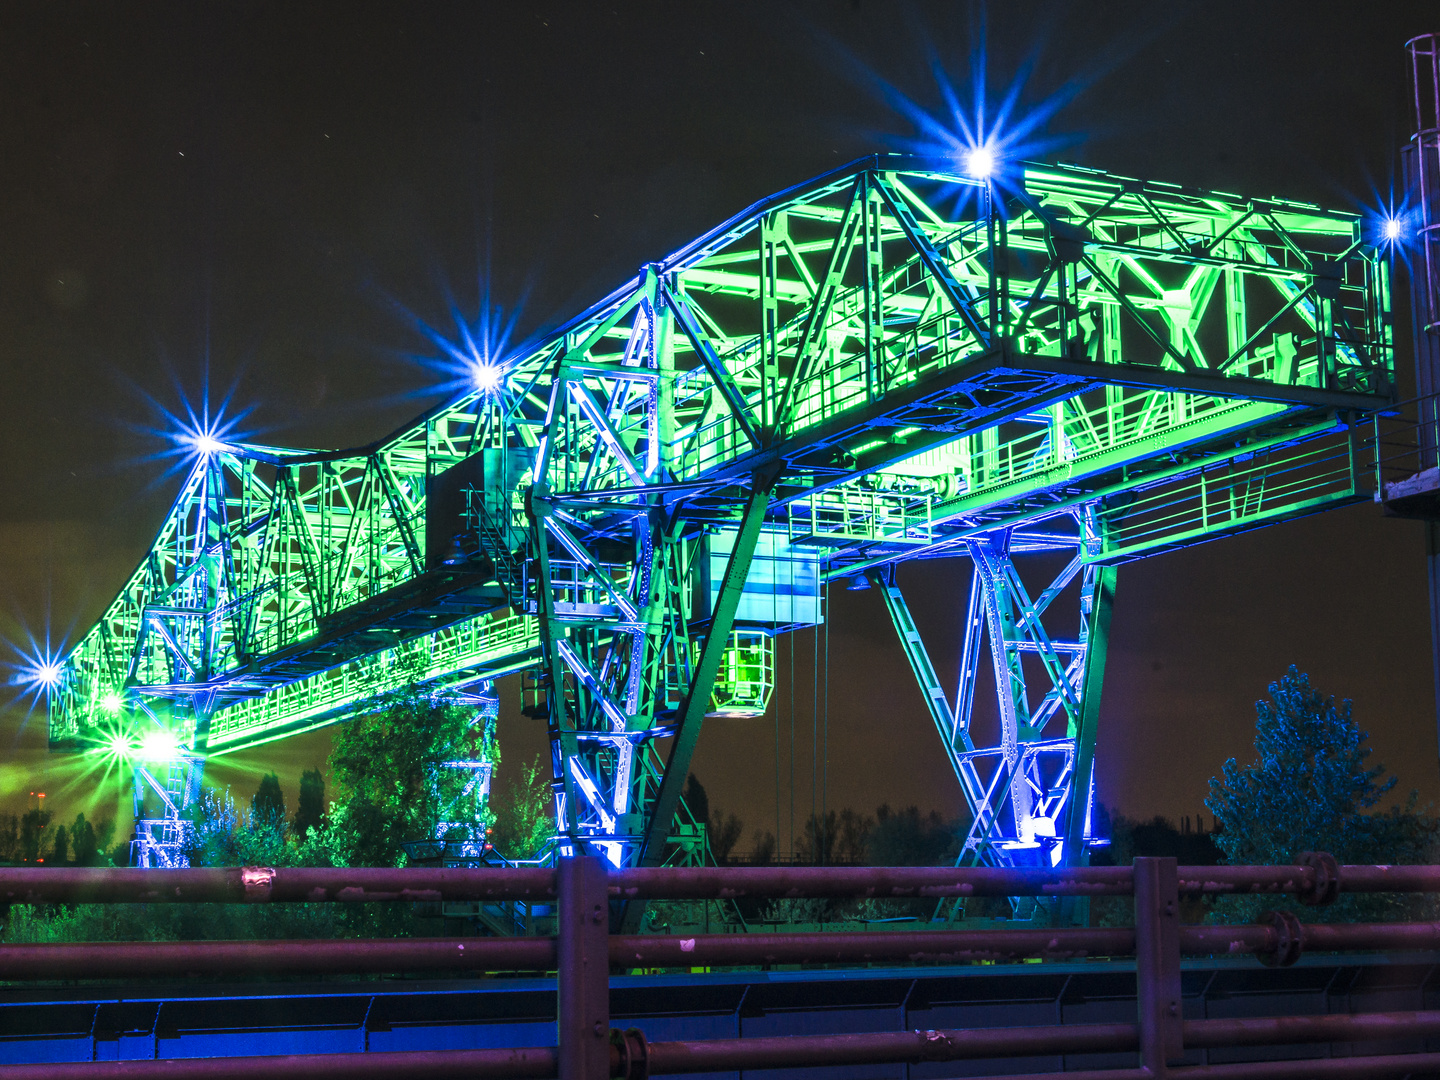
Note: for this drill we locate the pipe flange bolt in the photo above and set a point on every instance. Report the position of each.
(634, 1053)
(1289, 940)
(1326, 886)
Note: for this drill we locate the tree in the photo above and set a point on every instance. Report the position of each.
(268, 805)
(59, 847)
(311, 811)
(388, 766)
(763, 853)
(725, 831)
(32, 825)
(83, 842)
(696, 801)
(9, 837)
(1309, 789)
(523, 822)
(906, 838)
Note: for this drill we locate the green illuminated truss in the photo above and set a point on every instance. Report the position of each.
(889, 363)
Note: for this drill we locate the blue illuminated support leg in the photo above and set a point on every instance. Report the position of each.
(1030, 792)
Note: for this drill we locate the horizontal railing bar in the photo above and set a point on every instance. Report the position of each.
(736, 882)
(71, 885)
(521, 1063)
(78, 885)
(871, 1048)
(110, 960)
(148, 959)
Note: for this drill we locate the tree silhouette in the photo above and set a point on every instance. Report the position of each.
(268, 806)
(1309, 789)
(310, 812)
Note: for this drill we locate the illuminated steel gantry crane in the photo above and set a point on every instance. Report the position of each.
(896, 361)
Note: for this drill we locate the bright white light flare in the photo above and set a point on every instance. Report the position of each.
(980, 161)
(158, 746)
(489, 377)
(46, 673)
(1393, 229)
(206, 444)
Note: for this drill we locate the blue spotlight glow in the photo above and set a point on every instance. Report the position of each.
(201, 435)
(489, 377)
(37, 672)
(194, 434)
(46, 673)
(471, 357)
(1393, 229)
(983, 130)
(980, 161)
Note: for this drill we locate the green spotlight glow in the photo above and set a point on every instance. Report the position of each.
(112, 702)
(114, 745)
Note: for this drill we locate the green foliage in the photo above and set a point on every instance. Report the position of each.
(269, 802)
(310, 813)
(219, 836)
(523, 821)
(1309, 789)
(388, 767)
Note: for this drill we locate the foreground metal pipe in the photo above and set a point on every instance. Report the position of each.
(877, 1048)
(78, 885)
(257, 884)
(1339, 1027)
(111, 960)
(800, 1051)
(734, 882)
(1369, 879)
(523, 1063)
(161, 959)
(933, 946)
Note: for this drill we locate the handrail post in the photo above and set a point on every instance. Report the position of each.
(1157, 963)
(582, 978)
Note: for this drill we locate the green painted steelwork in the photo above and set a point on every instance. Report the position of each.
(925, 363)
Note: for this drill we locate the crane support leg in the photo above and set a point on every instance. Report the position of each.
(1030, 793)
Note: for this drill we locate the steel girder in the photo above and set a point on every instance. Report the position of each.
(1029, 786)
(905, 361)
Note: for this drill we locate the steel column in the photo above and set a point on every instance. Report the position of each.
(583, 979)
(1157, 964)
(702, 681)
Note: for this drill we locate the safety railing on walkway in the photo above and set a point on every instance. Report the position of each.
(583, 952)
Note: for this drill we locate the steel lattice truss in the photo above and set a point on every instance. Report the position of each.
(889, 363)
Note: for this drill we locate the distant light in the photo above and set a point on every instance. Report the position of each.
(489, 377)
(980, 161)
(1393, 229)
(112, 702)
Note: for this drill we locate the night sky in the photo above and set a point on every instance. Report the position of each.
(275, 194)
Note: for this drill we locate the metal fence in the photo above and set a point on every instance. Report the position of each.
(583, 952)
